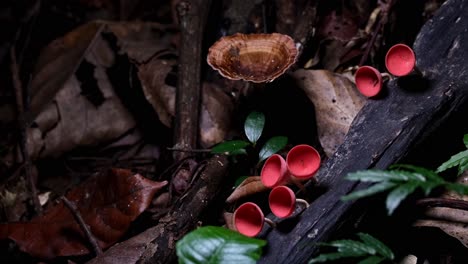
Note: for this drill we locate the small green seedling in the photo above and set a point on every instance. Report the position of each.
(253, 129)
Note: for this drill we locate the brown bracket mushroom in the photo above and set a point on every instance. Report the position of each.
(257, 58)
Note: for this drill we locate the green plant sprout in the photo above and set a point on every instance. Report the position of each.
(253, 128)
(370, 250)
(402, 180)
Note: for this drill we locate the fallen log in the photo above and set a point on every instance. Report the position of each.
(385, 130)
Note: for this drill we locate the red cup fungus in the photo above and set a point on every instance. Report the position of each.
(274, 171)
(249, 219)
(368, 81)
(303, 161)
(400, 60)
(283, 201)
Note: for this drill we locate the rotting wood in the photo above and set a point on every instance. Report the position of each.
(157, 244)
(385, 130)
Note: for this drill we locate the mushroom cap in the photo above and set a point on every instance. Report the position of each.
(368, 81)
(252, 57)
(274, 171)
(249, 219)
(400, 60)
(303, 161)
(282, 201)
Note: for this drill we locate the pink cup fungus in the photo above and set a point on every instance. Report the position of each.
(368, 81)
(283, 201)
(303, 161)
(400, 60)
(249, 219)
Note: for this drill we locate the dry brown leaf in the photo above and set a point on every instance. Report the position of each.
(249, 186)
(228, 219)
(216, 115)
(158, 93)
(108, 203)
(336, 101)
(452, 221)
(454, 229)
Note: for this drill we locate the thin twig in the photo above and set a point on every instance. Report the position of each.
(84, 227)
(190, 150)
(382, 21)
(22, 129)
(443, 202)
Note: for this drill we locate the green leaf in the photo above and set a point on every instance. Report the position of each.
(398, 194)
(240, 180)
(465, 140)
(253, 126)
(428, 186)
(376, 176)
(380, 247)
(272, 146)
(457, 187)
(352, 247)
(455, 160)
(376, 188)
(230, 147)
(212, 245)
(421, 172)
(463, 166)
(329, 257)
(371, 260)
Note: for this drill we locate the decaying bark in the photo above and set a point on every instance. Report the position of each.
(385, 130)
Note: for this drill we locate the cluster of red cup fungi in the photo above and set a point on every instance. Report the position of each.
(399, 61)
(302, 162)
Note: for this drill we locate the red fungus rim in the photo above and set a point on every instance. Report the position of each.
(400, 60)
(249, 219)
(274, 171)
(282, 201)
(303, 161)
(368, 81)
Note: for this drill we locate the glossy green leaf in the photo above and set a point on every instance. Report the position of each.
(272, 146)
(398, 194)
(253, 126)
(240, 180)
(455, 160)
(230, 147)
(349, 246)
(417, 171)
(213, 245)
(376, 188)
(465, 140)
(371, 260)
(329, 257)
(457, 187)
(463, 166)
(376, 176)
(380, 247)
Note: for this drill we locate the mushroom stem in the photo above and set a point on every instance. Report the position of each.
(303, 202)
(270, 222)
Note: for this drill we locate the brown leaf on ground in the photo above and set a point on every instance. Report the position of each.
(108, 203)
(249, 186)
(452, 221)
(336, 101)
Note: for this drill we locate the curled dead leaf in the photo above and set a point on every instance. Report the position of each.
(452, 221)
(249, 186)
(336, 101)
